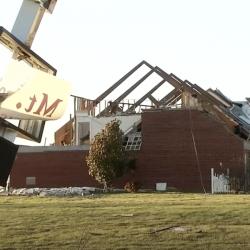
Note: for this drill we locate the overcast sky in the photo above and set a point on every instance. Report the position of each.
(94, 43)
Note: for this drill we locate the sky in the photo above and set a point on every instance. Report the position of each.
(93, 43)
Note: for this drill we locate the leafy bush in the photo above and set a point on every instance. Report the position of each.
(132, 187)
(107, 159)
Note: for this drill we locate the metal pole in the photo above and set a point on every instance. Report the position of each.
(7, 185)
(74, 143)
(70, 118)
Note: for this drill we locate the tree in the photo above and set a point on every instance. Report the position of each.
(107, 159)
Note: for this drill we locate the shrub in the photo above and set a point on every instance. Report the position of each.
(132, 187)
(107, 159)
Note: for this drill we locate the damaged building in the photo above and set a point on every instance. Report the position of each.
(177, 138)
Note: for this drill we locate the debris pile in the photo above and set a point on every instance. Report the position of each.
(58, 192)
(2, 189)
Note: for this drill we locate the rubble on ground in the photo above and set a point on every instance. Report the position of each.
(2, 189)
(58, 192)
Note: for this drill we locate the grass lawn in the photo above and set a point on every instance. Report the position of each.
(126, 221)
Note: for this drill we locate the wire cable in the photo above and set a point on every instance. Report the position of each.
(195, 148)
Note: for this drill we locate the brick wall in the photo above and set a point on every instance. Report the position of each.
(52, 169)
(57, 169)
(167, 155)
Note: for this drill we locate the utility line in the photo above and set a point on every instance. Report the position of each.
(195, 148)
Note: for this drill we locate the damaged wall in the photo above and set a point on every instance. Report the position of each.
(63, 133)
(97, 124)
(167, 155)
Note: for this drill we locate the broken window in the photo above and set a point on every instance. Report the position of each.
(133, 141)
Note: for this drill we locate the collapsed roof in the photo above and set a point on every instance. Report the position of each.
(236, 115)
(184, 94)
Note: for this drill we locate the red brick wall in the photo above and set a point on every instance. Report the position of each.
(167, 155)
(52, 169)
(57, 169)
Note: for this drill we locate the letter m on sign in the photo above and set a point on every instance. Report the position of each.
(51, 109)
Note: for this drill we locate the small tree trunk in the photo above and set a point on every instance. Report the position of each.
(109, 186)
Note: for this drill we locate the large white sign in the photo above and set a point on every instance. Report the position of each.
(32, 94)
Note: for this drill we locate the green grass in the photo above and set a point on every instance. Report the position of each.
(210, 222)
